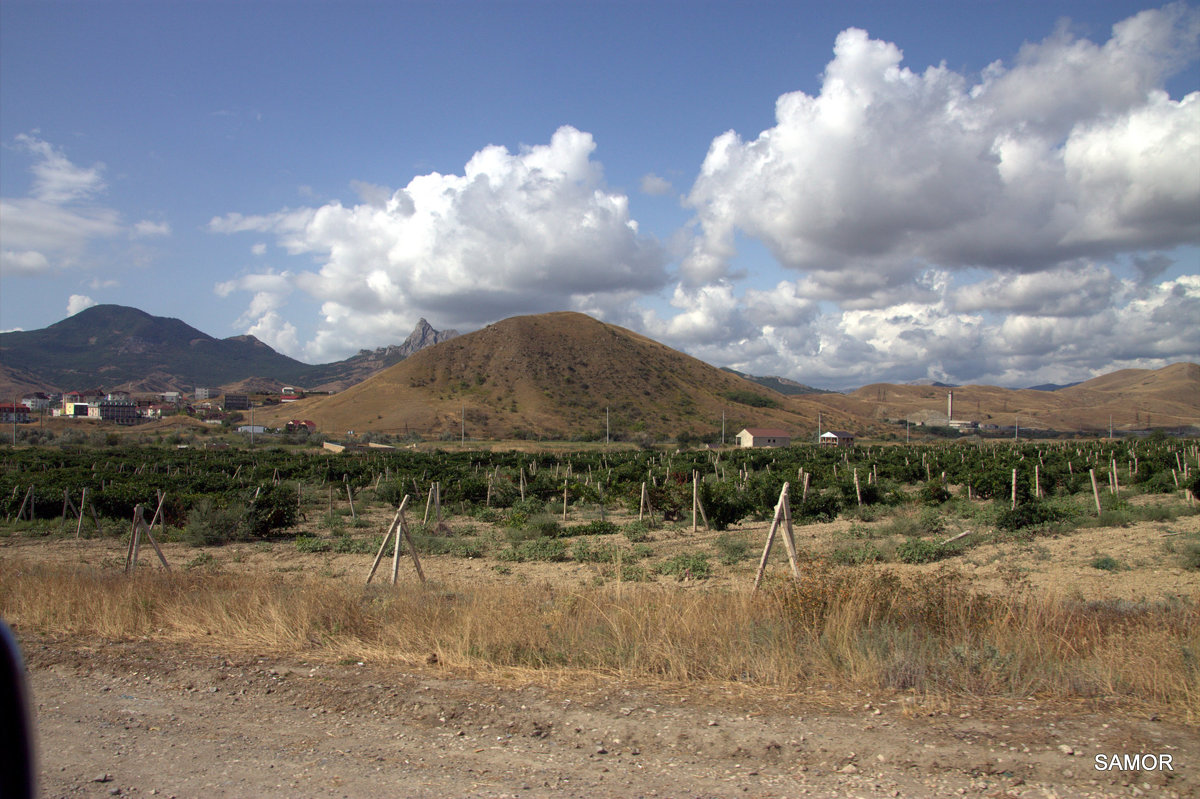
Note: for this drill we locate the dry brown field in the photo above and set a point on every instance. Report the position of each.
(260, 669)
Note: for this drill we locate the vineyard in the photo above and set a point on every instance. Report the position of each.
(559, 508)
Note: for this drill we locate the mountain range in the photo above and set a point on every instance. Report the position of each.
(116, 347)
(555, 375)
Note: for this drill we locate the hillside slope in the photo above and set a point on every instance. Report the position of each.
(1135, 399)
(553, 375)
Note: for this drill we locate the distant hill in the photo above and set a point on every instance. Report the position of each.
(1052, 386)
(343, 374)
(113, 346)
(553, 375)
(780, 384)
(1134, 399)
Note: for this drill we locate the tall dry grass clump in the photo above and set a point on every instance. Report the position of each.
(845, 627)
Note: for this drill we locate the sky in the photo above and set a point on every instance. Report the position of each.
(1004, 193)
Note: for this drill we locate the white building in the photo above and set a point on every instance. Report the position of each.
(764, 437)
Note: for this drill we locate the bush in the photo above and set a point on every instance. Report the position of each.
(685, 565)
(855, 555)
(934, 493)
(596, 527)
(637, 532)
(1030, 513)
(1106, 563)
(918, 550)
(309, 544)
(588, 551)
(818, 507)
(723, 504)
(273, 510)
(346, 545)
(732, 548)
(544, 549)
(210, 525)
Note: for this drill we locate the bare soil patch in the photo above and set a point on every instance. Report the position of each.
(151, 717)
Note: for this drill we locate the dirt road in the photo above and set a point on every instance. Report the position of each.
(147, 718)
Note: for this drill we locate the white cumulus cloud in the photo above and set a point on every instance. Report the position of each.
(958, 226)
(1073, 151)
(530, 231)
(78, 302)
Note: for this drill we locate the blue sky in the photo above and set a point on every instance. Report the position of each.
(988, 192)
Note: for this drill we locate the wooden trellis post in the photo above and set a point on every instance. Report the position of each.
(398, 528)
(135, 540)
(697, 505)
(783, 516)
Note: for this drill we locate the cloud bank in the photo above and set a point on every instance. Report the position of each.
(1014, 226)
(514, 233)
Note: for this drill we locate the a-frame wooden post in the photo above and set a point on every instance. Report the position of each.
(783, 518)
(135, 538)
(398, 528)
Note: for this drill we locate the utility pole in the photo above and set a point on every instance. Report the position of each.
(722, 427)
(463, 422)
(606, 426)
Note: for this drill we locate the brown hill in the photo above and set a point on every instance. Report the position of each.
(553, 375)
(1135, 399)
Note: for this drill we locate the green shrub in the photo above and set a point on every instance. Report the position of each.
(344, 544)
(1032, 512)
(595, 527)
(933, 492)
(211, 525)
(685, 565)
(1190, 555)
(1106, 563)
(732, 549)
(541, 549)
(308, 544)
(589, 551)
(637, 532)
(724, 504)
(818, 507)
(918, 550)
(854, 555)
(274, 509)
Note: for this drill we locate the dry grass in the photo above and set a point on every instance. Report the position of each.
(862, 628)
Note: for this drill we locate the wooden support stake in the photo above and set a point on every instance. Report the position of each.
(412, 549)
(857, 490)
(82, 503)
(963, 534)
(1095, 490)
(642, 503)
(695, 499)
(1014, 489)
(783, 517)
(350, 497)
(564, 500)
(386, 538)
(135, 533)
(150, 535)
